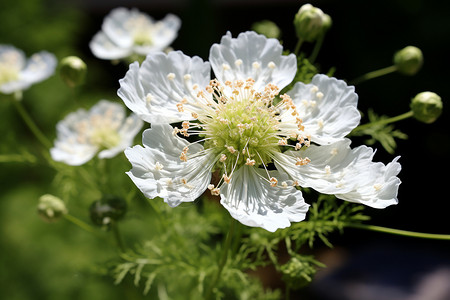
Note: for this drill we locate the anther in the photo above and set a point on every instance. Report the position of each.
(271, 65)
(238, 62)
(273, 182)
(171, 76)
(250, 162)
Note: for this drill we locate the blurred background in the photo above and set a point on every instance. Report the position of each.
(55, 261)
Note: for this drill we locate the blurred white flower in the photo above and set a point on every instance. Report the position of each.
(17, 73)
(104, 129)
(262, 144)
(128, 31)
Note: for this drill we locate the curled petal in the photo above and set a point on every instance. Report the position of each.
(103, 47)
(158, 171)
(153, 90)
(328, 108)
(251, 200)
(252, 55)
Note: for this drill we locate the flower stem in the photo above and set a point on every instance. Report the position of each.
(117, 236)
(297, 46)
(373, 74)
(31, 125)
(400, 232)
(223, 259)
(83, 225)
(316, 49)
(406, 115)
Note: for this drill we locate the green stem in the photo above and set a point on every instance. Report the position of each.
(31, 125)
(316, 49)
(117, 236)
(223, 259)
(81, 224)
(373, 74)
(406, 115)
(297, 46)
(400, 232)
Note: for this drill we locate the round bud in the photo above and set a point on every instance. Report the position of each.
(310, 22)
(426, 107)
(72, 71)
(267, 28)
(408, 60)
(110, 208)
(51, 208)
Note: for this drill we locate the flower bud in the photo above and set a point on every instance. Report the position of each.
(110, 208)
(408, 60)
(51, 208)
(426, 107)
(73, 71)
(310, 22)
(267, 28)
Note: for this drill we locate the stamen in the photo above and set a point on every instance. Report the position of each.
(171, 76)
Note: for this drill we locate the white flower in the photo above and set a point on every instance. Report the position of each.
(17, 73)
(128, 31)
(241, 126)
(104, 129)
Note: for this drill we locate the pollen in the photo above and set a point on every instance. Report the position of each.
(273, 182)
(302, 161)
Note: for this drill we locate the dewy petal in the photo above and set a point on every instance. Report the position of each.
(328, 108)
(333, 169)
(252, 55)
(104, 48)
(378, 187)
(251, 200)
(158, 171)
(154, 90)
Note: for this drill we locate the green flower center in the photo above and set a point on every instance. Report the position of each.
(8, 73)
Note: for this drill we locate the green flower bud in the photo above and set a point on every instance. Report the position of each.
(51, 208)
(267, 28)
(110, 208)
(73, 71)
(426, 107)
(408, 60)
(310, 22)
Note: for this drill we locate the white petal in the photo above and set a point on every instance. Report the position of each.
(333, 169)
(158, 171)
(114, 26)
(252, 55)
(154, 90)
(104, 48)
(328, 108)
(379, 186)
(166, 31)
(72, 154)
(252, 201)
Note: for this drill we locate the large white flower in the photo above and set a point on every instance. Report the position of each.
(104, 129)
(17, 73)
(261, 143)
(128, 31)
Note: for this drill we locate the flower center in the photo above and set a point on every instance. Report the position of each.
(141, 29)
(242, 126)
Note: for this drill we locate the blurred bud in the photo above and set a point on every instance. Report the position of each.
(427, 107)
(73, 71)
(296, 273)
(110, 208)
(310, 22)
(408, 60)
(51, 208)
(267, 28)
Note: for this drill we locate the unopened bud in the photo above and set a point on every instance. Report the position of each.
(310, 22)
(109, 209)
(426, 107)
(51, 208)
(73, 71)
(267, 28)
(408, 60)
